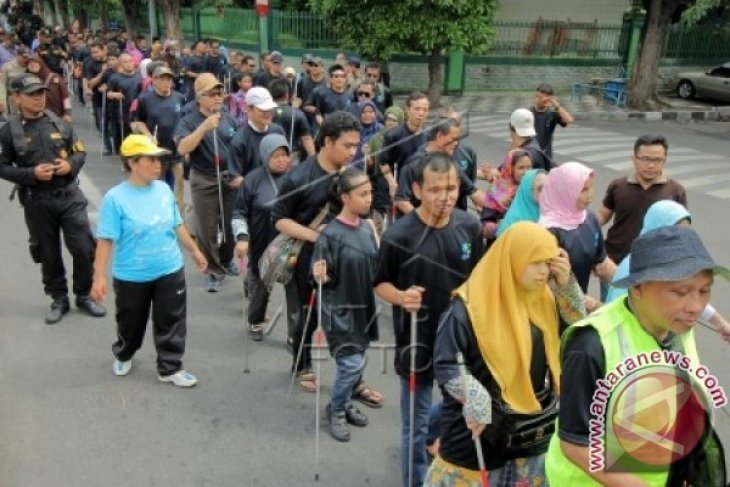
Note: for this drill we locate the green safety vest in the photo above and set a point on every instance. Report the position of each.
(621, 336)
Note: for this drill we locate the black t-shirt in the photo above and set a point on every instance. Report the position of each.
(307, 87)
(440, 260)
(254, 201)
(216, 65)
(283, 118)
(407, 177)
(399, 144)
(244, 153)
(92, 68)
(327, 101)
(545, 123)
(583, 364)
(162, 113)
(539, 159)
(584, 246)
(130, 85)
(202, 158)
(263, 78)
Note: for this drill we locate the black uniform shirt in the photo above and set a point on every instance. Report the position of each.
(163, 113)
(244, 152)
(130, 85)
(201, 159)
(327, 101)
(44, 143)
(399, 144)
(92, 68)
(283, 117)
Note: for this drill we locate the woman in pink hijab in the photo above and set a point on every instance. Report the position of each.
(564, 211)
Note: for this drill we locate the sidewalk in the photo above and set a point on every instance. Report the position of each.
(588, 107)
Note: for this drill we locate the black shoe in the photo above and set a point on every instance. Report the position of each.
(356, 417)
(91, 308)
(59, 307)
(256, 332)
(338, 425)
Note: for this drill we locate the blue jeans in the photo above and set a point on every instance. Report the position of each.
(349, 370)
(434, 423)
(422, 412)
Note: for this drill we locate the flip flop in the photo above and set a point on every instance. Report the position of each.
(307, 381)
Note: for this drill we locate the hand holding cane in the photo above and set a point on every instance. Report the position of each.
(477, 442)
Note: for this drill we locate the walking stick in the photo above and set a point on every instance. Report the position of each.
(394, 209)
(301, 344)
(121, 121)
(217, 162)
(318, 333)
(242, 266)
(412, 397)
(477, 442)
(103, 124)
(293, 109)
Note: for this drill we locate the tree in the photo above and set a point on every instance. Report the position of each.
(378, 29)
(171, 14)
(132, 10)
(643, 81)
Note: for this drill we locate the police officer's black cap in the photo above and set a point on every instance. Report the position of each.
(26, 83)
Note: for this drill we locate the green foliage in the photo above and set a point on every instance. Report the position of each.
(700, 9)
(377, 29)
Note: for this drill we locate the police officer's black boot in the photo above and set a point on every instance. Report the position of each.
(59, 307)
(90, 307)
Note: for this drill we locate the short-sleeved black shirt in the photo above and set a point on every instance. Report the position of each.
(161, 114)
(130, 86)
(201, 159)
(438, 259)
(244, 152)
(399, 144)
(92, 68)
(296, 122)
(584, 246)
(545, 123)
(327, 101)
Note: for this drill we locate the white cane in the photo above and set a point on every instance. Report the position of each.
(217, 161)
(243, 267)
(103, 124)
(293, 111)
(477, 442)
(318, 339)
(121, 121)
(412, 397)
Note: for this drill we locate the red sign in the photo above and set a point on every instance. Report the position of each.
(262, 7)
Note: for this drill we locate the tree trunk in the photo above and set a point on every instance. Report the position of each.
(171, 15)
(435, 79)
(131, 9)
(54, 11)
(65, 20)
(103, 14)
(646, 68)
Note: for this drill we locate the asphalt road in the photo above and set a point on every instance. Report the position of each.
(66, 420)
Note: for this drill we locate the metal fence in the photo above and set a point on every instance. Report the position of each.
(557, 39)
(306, 30)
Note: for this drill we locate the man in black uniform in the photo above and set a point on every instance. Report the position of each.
(40, 153)
(51, 53)
(293, 121)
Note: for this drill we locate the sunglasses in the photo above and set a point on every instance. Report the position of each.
(364, 93)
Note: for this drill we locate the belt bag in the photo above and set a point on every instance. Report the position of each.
(279, 259)
(516, 435)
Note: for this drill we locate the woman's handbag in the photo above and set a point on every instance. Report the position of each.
(279, 259)
(517, 435)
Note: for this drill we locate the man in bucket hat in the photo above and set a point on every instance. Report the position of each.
(634, 409)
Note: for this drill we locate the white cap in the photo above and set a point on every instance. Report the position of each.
(523, 121)
(260, 98)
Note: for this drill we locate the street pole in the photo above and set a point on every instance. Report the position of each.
(152, 13)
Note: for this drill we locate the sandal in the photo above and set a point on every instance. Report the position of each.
(369, 397)
(307, 381)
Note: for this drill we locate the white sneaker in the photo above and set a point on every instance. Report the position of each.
(181, 378)
(122, 368)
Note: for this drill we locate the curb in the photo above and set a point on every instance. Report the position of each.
(713, 114)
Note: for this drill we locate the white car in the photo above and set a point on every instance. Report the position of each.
(713, 83)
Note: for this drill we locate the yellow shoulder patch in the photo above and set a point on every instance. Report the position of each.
(78, 147)
(56, 136)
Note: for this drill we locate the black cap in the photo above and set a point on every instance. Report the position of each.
(26, 83)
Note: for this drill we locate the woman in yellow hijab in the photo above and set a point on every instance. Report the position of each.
(504, 322)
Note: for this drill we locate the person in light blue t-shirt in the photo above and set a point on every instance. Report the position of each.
(140, 221)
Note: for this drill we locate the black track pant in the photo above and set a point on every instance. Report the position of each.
(167, 298)
(303, 330)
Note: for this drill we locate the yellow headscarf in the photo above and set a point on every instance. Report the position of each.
(501, 312)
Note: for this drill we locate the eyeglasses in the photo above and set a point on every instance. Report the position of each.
(212, 94)
(646, 160)
(251, 65)
(337, 75)
(364, 93)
